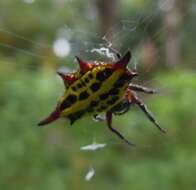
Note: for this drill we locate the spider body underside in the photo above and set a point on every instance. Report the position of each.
(98, 88)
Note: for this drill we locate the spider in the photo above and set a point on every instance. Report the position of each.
(100, 87)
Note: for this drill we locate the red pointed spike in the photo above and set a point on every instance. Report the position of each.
(123, 62)
(84, 66)
(67, 78)
(52, 117)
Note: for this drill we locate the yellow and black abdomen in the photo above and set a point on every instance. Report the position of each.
(98, 90)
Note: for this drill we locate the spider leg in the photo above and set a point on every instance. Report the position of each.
(109, 123)
(134, 99)
(121, 108)
(140, 88)
(123, 111)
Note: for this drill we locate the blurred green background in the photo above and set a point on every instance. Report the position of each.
(38, 37)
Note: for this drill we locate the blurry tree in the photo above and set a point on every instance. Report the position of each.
(172, 20)
(107, 13)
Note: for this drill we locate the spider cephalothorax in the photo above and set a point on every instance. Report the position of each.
(97, 88)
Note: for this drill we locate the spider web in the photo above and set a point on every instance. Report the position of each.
(67, 44)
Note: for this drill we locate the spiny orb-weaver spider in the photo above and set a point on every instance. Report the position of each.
(100, 87)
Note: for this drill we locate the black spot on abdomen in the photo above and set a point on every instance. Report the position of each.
(79, 85)
(95, 86)
(83, 95)
(73, 88)
(90, 76)
(65, 104)
(86, 80)
(104, 96)
(71, 99)
(103, 75)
